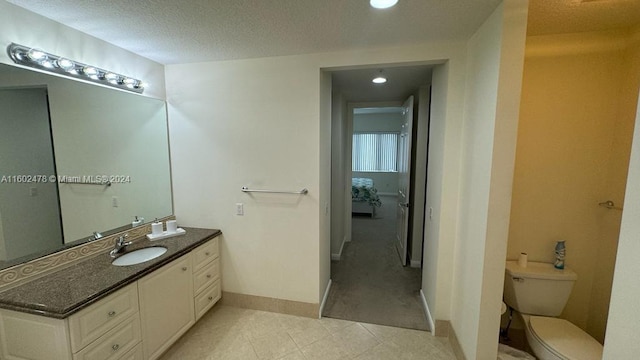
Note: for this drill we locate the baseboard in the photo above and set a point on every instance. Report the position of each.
(338, 256)
(324, 299)
(263, 303)
(442, 328)
(415, 263)
(425, 306)
(455, 345)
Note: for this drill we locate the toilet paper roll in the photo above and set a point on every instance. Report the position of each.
(522, 260)
(172, 226)
(156, 228)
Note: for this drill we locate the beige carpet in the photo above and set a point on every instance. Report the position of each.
(369, 284)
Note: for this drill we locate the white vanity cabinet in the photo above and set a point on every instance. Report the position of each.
(138, 322)
(166, 305)
(106, 330)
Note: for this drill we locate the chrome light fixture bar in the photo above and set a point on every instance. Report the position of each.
(39, 59)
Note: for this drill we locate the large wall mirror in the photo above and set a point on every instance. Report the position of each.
(62, 142)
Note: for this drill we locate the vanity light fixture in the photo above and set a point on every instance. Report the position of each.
(382, 4)
(379, 79)
(39, 59)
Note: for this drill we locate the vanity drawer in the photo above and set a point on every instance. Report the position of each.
(134, 354)
(90, 323)
(207, 299)
(115, 343)
(205, 253)
(206, 276)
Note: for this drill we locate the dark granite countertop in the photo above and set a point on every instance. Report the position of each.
(71, 289)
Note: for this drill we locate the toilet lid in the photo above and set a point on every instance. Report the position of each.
(565, 339)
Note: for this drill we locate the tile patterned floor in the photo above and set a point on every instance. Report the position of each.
(230, 333)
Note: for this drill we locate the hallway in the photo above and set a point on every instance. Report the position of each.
(369, 284)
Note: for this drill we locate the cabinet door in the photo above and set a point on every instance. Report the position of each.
(166, 306)
(31, 337)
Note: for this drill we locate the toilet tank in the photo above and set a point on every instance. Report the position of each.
(539, 289)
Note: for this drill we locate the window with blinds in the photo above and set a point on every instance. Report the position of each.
(375, 152)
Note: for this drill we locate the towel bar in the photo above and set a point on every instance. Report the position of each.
(301, 192)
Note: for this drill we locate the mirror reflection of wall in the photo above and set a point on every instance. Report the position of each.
(29, 212)
(94, 131)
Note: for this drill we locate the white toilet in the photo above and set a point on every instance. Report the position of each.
(539, 292)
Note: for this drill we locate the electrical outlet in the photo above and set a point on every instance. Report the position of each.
(239, 209)
(430, 213)
(114, 201)
(33, 191)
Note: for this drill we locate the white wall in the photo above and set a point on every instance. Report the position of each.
(494, 75)
(324, 170)
(26, 28)
(257, 123)
(442, 186)
(623, 327)
(377, 122)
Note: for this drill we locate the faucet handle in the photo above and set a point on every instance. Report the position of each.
(121, 240)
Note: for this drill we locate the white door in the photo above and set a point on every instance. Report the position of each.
(404, 181)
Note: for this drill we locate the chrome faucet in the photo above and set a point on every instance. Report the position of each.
(121, 243)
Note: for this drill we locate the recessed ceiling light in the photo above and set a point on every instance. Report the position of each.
(379, 78)
(382, 4)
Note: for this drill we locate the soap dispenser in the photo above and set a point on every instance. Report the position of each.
(137, 221)
(156, 227)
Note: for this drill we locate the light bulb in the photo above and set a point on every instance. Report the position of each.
(111, 77)
(379, 80)
(36, 55)
(90, 71)
(66, 64)
(129, 82)
(382, 4)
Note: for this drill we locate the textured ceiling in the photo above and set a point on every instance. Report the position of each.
(183, 31)
(568, 16)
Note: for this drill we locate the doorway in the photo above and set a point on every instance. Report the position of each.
(30, 219)
(370, 282)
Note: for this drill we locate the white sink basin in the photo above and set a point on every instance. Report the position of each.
(139, 256)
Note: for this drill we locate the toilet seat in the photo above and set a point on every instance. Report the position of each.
(564, 339)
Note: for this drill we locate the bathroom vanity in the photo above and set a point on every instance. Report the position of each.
(94, 310)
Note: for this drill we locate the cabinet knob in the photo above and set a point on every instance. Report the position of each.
(115, 347)
(207, 253)
(208, 276)
(184, 268)
(112, 313)
(210, 298)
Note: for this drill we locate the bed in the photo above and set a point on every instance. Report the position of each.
(364, 196)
